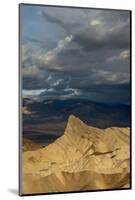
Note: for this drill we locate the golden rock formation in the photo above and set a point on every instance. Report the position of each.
(83, 158)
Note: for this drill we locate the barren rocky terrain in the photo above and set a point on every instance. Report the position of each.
(83, 158)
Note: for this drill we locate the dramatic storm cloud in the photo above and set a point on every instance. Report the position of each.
(76, 53)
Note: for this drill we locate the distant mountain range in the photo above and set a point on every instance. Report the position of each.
(95, 114)
(49, 117)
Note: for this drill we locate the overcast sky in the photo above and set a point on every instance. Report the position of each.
(75, 53)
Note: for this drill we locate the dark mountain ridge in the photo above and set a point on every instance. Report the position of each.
(95, 114)
(46, 120)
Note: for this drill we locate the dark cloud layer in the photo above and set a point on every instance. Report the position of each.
(93, 52)
(59, 22)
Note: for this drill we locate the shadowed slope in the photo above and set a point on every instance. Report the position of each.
(28, 145)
